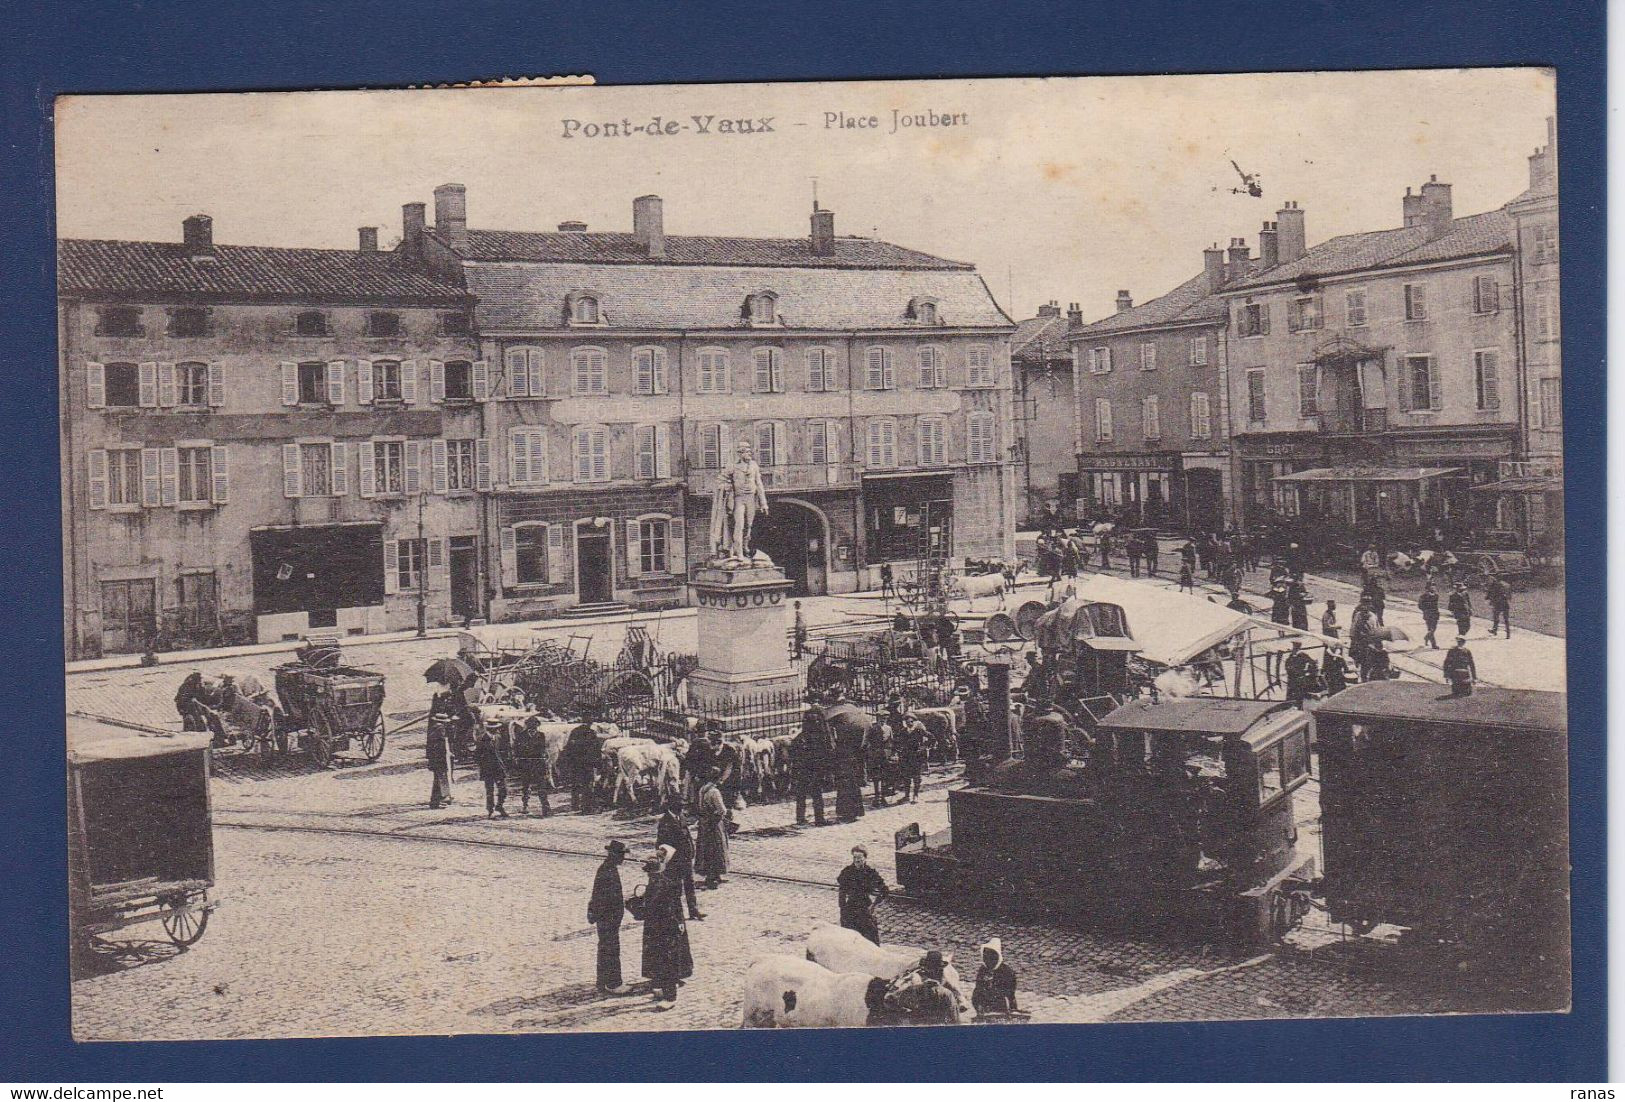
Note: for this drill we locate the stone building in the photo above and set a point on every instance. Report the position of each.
(1044, 422)
(872, 381)
(261, 442)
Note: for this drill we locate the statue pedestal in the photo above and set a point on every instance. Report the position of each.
(743, 643)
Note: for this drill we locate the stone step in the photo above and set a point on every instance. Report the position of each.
(593, 608)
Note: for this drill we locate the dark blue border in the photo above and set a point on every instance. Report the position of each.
(149, 45)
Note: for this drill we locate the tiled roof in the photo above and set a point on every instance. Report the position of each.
(1474, 235)
(1034, 334)
(529, 297)
(1192, 300)
(244, 271)
(762, 252)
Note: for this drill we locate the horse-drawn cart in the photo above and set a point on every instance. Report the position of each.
(330, 707)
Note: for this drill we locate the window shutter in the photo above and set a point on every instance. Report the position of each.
(217, 385)
(335, 382)
(147, 394)
(724, 443)
(290, 383)
(340, 465)
(166, 384)
(510, 558)
(363, 382)
(1489, 371)
(643, 363)
(583, 455)
(1435, 395)
(555, 553)
(538, 376)
(292, 472)
(660, 370)
(414, 466)
(482, 380)
(439, 479)
(439, 569)
(600, 454)
(437, 381)
(518, 458)
(97, 473)
(220, 473)
(169, 475)
(634, 560)
(538, 456)
(888, 368)
(151, 481)
(482, 465)
(1264, 318)
(775, 359)
(369, 474)
(662, 451)
(676, 549)
(1407, 373)
(409, 382)
(95, 386)
(518, 381)
(392, 565)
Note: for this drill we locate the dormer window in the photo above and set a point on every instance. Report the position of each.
(311, 323)
(583, 309)
(382, 323)
(762, 308)
(119, 321)
(923, 311)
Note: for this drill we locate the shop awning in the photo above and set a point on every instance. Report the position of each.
(1523, 484)
(1368, 474)
(1171, 628)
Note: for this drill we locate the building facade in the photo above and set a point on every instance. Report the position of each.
(258, 443)
(1043, 425)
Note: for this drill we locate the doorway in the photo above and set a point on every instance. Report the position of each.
(595, 577)
(792, 535)
(129, 616)
(1204, 499)
(465, 578)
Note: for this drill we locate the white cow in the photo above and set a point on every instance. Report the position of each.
(978, 585)
(555, 733)
(641, 763)
(843, 950)
(787, 992)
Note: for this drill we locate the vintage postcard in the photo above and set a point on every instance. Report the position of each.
(829, 554)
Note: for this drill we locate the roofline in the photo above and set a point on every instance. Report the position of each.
(1507, 251)
(222, 298)
(943, 263)
(1186, 323)
(765, 335)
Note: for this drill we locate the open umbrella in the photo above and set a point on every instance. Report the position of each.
(450, 672)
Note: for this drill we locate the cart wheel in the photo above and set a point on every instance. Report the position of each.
(321, 750)
(185, 927)
(372, 743)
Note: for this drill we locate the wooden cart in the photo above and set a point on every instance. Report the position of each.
(331, 707)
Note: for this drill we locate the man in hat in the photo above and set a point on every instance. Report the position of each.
(604, 911)
(579, 757)
(667, 959)
(1328, 621)
(711, 852)
(1132, 546)
(1428, 605)
(672, 830)
(530, 766)
(810, 757)
(1459, 668)
(493, 772)
(437, 748)
(995, 990)
(910, 744)
(1499, 595)
(859, 887)
(1460, 605)
(1300, 675)
(1334, 670)
(924, 993)
(1376, 596)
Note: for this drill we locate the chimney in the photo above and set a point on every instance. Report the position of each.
(648, 225)
(1413, 210)
(1050, 309)
(1125, 301)
(451, 215)
(823, 232)
(1543, 161)
(1240, 258)
(572, 227)
(198, 234)
(1269, 254)
(412, 216)
(1213, 265)
(1291, 237)
(369, 239)
(1436, 207)
(1074, 315)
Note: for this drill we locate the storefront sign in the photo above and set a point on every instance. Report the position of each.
(1127, 463)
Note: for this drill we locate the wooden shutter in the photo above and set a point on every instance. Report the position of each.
(169, 475)
(482, 465)
(293, 481)
(97, 473)
(1406, 385)
(634, 560)
(151, 478)
(166, 384)
(1264, 317)
(95, 386)
(555, 553)
(392, 565)
(340, 467)
(335, 382)
(676, 549)
(510, 558)
(220, 475)
(1489, 370)
(482, 380)
(217, 385)
(363, 382)
(437, 380)
(518, 458)
(147, 390)
(518, 381)
(643, 370)
(412, 454)
(409, 381)
(1435, 394)
(660, 371)
(662, 451)
(583, 455)
(438, 575)
(537, 371)
(369, 475)
(439, 477)
(290, 384)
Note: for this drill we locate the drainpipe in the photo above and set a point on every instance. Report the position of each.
(70, 455)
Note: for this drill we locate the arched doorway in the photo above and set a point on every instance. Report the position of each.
(795, 537)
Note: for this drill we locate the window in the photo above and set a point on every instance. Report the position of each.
(651, 447)
(772, 444)
(460, 464)
(315, 470)
(1546, 316)
(409, 563)
(1551, 403)
(189, 321)
(530, 553)
(1486, 295)
(454, 325)
(1198, 353)
(823, 446)
(979, 443)
(925, 313)
(1354, 306)
(1148, 356)
(389, 467)
(527, 457)
(123, 476)
(199, 600)
(713, 363)
(1201, 416)
(712, 445)
(933, 433)
(1487, 378)
(820, 369)
(526, 375)
(1150, 417)
(459, 375)
(769, 369)
(191, 384)
(1419, 384)
(1100, 361)
(1304, 313)
(1416, 302)
(878, 369)
(1103, 419)
(386, 381)
(1253, 320)
(123, 385)
(590, 369)
(383, 323)
(654, 538)
(592, 453)
(1545, 243)
(196, 482)
(932, 371)
(762, 309)
(649, 366)
(1255, 395)
(882, 442)
(119, 321)
(311, 323)
(1308, 390)
(979, 358)
(584, 310)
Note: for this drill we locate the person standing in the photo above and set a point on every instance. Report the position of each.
(1328, 620)
(1370, 561)
(1499, 595)
(1300, 673)
(672, 830)
(1298, 602)
(799, 634)
(1132, 546)
(850, 747)
(1280, 603)
(1187, 580)
(580, 759)
(604, 912)
(1105, 550)
(1460, 605)
(810, 755)
(859, 888)
(493, 773)
(1377, 597)
(437, 748)
(726, 765)
(1334, 671)
(667, 959)
(1459, 668)
(1151, 552)
(697, 765)
(910, 744)
(888, 589)
(530, 766)
(711, 852)
(1428, 604)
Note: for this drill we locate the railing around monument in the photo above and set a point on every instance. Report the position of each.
(868, 669)
(759, 715)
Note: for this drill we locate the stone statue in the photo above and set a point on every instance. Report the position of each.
(740, 494)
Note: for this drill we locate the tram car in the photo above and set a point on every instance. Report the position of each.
(1448, 816)
(1178, 819)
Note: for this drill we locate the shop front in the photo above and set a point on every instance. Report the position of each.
(1264, 461)
(1136, 489)
(908, 518)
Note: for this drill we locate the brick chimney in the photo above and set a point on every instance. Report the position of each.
(1074, 315)
(1269, 254)
(1213, 265)
(1125, 301)
(197, 232)
(1050, 309)
(451, 215)
(1414, 212)
(1240, 259)
(649, 225)
(572, 227)
(412, 221)
(1436, 205)
(1291, 235)
(369, 239)
(823, 232)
